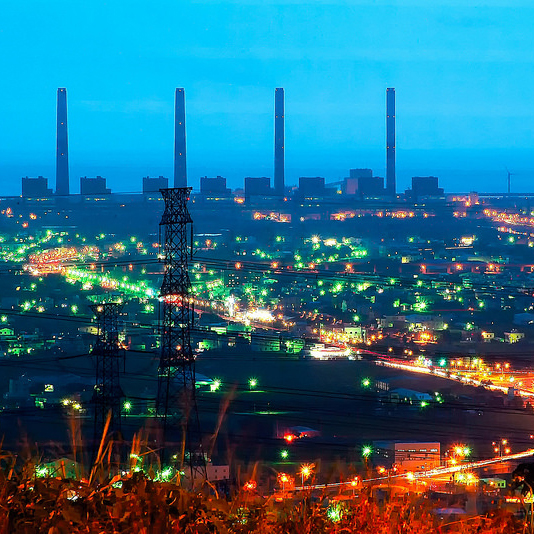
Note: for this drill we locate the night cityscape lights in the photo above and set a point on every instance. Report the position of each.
(403, 325)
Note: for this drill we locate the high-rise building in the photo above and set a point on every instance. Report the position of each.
(180, 168)
(391, 186)
(279, 138)
(62, 148)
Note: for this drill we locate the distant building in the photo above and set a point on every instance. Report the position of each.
(214, 473)
(408, 456)
(153, 185)
(494, 482)
(425, 186)
(213, 186)
(513, 337)
(417, 456)
(487, 337)
(409, 395)
(35, 187)
(361, 182)
(257, 186)
(361, 173)
(217, 472)
(350, 186)
(311, 187)
(93, 186)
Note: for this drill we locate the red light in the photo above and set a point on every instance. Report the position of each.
(172, 299)
(289, 437)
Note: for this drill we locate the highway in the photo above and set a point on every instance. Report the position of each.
(490, 380)
(437, 473)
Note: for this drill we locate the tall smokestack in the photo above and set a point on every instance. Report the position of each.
(62, 148)
(279, 141)
(180, 168)
(391, 186)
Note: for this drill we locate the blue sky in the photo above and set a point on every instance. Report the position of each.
(463, 73)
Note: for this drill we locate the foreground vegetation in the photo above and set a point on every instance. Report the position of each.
(134, 503)
(144, 498)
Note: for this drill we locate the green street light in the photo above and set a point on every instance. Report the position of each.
(284, 454)
(366, 382)
(127, 406)
(366, 451)
(252, 383)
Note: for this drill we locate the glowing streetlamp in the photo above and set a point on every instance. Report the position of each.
(367, 450)
(252, 383)
(284, 454)
(127, 406)
(283, 479)
(458, 453)
(305, 471)
(354, 484)
(501, 447)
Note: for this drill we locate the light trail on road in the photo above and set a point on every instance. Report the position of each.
(448, 375)
(436, 472)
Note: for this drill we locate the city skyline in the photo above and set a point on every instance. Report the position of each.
(129, 170)
(461, 73)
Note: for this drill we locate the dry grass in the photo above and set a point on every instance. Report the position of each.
(135, 504)
(37, 500)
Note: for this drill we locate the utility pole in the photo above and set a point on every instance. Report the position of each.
(108, 393)
(176, 402)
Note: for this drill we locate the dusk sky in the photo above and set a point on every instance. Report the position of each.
(463, 73)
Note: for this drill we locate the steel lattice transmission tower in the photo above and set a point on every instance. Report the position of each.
(176, 402)
(109, 355)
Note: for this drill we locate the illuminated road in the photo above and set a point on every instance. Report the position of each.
(468, 377)
(436, 473)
